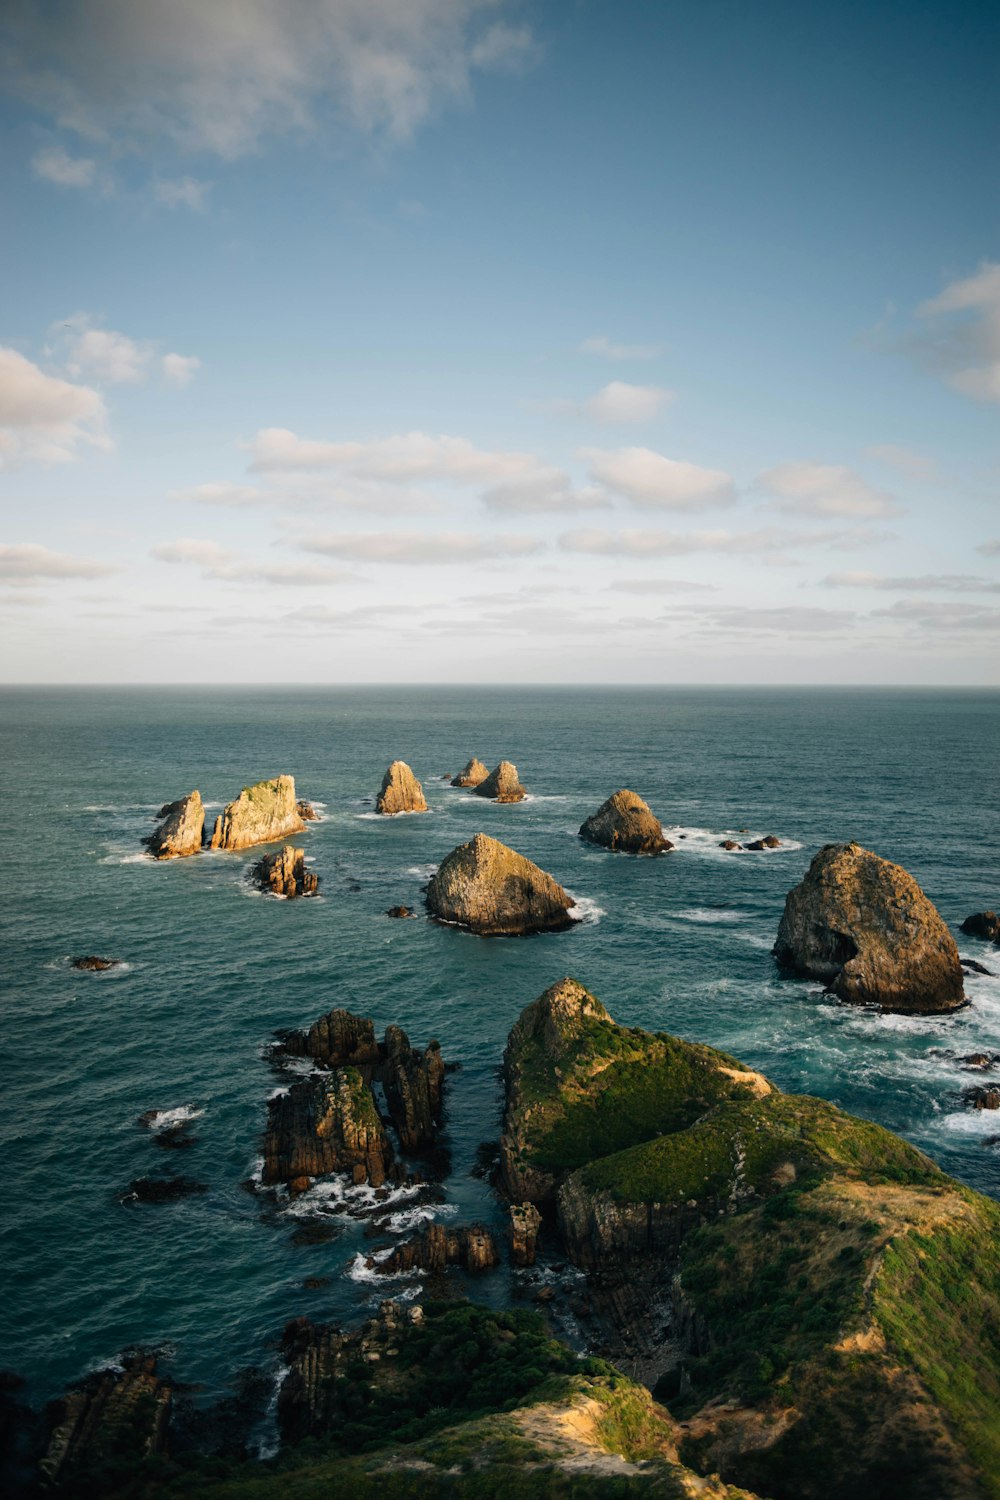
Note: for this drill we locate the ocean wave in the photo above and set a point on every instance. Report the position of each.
(585, 909)
(136, 857)
(422, 872)
(710, 914)
(359, 1270)
(708, 841)
(169, 1119)
(338, 1195)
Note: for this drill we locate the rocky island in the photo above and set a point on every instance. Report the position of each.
(473, 775)
(864, 927)
(492, 890)
(181, 831)
(625, 823)
(400, 792)
(285, 873)
(502, 784)
(261, 814)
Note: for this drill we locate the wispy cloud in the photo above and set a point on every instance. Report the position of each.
(826, 490)
(25, 563)
(404, 458)
(182, 192)
(969, 583)
(547, 490)
(418, 548)
(113, 358)
(608, 349)
(657, 543)
(44, 419)
(230, 496)
(179, 369)
(905, 460)
(651, 480)
(225, 566)
(54, 164)
(619, 402)
(959, 336)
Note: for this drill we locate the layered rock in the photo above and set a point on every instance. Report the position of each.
(181, 831)
(983, 924)
(625, 823)
(502, 784)
(401, 792)
(525, 1222)
(328, 1123)
(112, 1415)
(436, 1248)
(494, 891)
(338, 1039)
(473, 775)
(413, 1082)
(864, 926)
(261, 814)
(285, 873)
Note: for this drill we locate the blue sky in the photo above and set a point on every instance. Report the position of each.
(461, 340)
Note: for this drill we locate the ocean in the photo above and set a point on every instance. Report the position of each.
(211, 968)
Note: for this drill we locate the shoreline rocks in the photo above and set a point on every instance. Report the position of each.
(121, 1410)
(474, 774)
(400, 792)
(494, 891)
(502, 784)
(525, 1221)
(625, 823)
(983, 924)
(864, 926)
(436, 1248)
(285, 874)
(182, 829)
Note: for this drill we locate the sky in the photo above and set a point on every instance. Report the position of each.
(541, 341)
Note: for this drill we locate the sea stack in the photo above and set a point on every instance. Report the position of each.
(502, 784)
(401, 791)
(182, 829)
(326, 1124)
(474, 774)
(864, 926)
(983, 924)
(494, 891)
(262, 814)
(285, 873)
(625, 824)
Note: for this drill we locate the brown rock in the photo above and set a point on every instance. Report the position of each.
(983, 924)
(864, 926)
(435, 1248)
(983, 1098)
(768, 842)
(307, 812)
(399, 911)
(624, 823)
(338, 1039)
(285, 873)
(502, 784)
(182, 830)
(492, 890)
(730, 844)
(524, 1224)
(412, 1081)
(401, 792)
(122, 1410)
(92, 963)
(325, 1124)
(262, 814)
(475, 774)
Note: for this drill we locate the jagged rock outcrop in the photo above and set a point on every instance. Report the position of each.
(769, 841)
(502, 784)
(625, 823)
(525, 1222)
(864, 926)
(473, 775)
(983, 924)
(329, 1123)
(111, 1415)
(181, 831)
(262, 814)
(285, 873)
(983, 1098)
(436, 1247)
(401, 792)
(92, 963)
(338, 1039)
(496, 892)
(307, 812)
(413, 1082)
(730, 844)
(400, 912)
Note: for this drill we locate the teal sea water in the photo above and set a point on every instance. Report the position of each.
(680, 943)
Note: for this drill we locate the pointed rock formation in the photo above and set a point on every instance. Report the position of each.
(435, 1248)
(983, 924)
(864, 926)
(339, 1039)
(110, 1414)
(502, 784)
(625, 823)
(492, 890)
(285, 873)
(401, 791)
(262, 814)
(525, 1221)
(412, 1081)
(181, 831)
(326, 1124)
(307, 812)
(474, 774)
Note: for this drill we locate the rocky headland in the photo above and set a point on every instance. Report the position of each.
(502, 784)
(864, 927)
(494, 891)
(261, 814)
(474, 774)
(181, 830)
(285, 873)
(400, 792)
(625, 823)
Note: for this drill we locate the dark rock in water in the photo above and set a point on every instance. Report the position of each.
(435, 1248)
(768, 842)
(112, 1415)
(983, 1098)
(326, 1124)
(502, 784)
(337, 1039)
(261, 814)
(182, 828)
(864, 926)
(474, 774)
(315, 1232)
(980, 1061)
(973, 967)
(399, 911)
(730, 844)
(492, 890)
(285, 873)
(624, 823)
(93, 964)
(412, 1081)
(982, 924)
(401, 792)
(525, 1221)
(314, 1283)
(160, 1189)
(307, 812)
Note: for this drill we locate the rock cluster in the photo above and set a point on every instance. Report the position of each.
(182, 828)
(473, 775)
(492, 890)
(262, 814)
(110, 1413)
(502, 784)
(436, 1247)
(983, 924)
(625, 823)
(864, 926)
(285, 873)
(307, 812)
(769, 841)
(401, 792)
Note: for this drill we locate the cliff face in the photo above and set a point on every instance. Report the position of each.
(491, 889)
(625, 823)
(326, 1124)
(502, 784)
(401, 792)
(111, 1414)
(262, 814)
(182, 829)
(436, 1248)
(864, 926)
(475, 773)
(285, 873)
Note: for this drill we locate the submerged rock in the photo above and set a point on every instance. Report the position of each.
(494, 891)
(769, 841)
(525, 1221)
(329, 1123)
(111, 1415)
(864, 926)
(435, 1248)
(161, 1189)
(624, 822)
(401, 792)
(182, 830)
(474, 774)
(973, 966)
(502, 784)
(262, 814)
(285, 873)
(399, 911)
(982, 924)
(91, 963)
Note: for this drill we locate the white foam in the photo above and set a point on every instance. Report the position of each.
(389, 817)
(708, 841)
(422, 872)
(359, 1270)
(337, 1194)
(971, 1122)
(169, 1119)
(140, 858)
(710, 914)
(585, 909)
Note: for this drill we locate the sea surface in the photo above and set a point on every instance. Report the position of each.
(680, 943)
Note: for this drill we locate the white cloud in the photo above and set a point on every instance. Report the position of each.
(655, 482)
(221, 564)
(25, 563)
(990, 548)
(545, 490)
(914, 465)
(608, 349)
(784, 619)
(182, 192)
(826, 490)
(233, 496)
(54, 164)
(766, 540)
(935, 616)
(43, 418)
(963, 338)
(105, 355)
(420, 547)
(189, 549)
(221, 76)
(405, 458)
(950, 582)
(179, 369)
(619, 402)
(658, 586)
